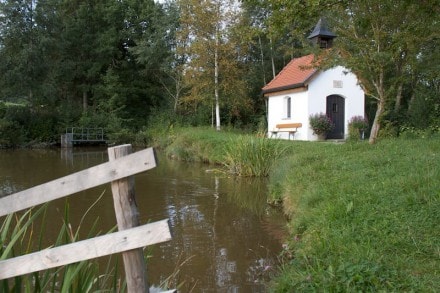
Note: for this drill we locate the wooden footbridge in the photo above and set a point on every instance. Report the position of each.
(82, 135)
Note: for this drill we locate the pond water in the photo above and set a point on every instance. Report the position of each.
(225, 237)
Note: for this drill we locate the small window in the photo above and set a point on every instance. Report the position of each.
(288, 107)
(335, 108)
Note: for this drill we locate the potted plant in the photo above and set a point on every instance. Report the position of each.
(357, 126)
(321, 124)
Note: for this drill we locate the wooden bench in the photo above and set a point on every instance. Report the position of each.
(291, 128)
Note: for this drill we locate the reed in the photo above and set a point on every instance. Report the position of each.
(18, 236)
(252, 156)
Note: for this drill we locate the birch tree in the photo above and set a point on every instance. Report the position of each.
(212, 70)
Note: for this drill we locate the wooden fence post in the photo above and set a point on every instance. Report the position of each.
(127, 216)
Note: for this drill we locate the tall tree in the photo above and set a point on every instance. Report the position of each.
(20, 64)
(380, 41)
(206, 27)
(150, 32)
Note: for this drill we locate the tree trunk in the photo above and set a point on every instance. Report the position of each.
(217, 105)
(398, 98)
(379, 85)
(376, 123)
(262, 60)
(85, 101)
(177, 95)
(272, 58)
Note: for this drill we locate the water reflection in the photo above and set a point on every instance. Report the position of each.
(225, 238)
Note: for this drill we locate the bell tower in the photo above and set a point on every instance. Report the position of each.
(321, 36)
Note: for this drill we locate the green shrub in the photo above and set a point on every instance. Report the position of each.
(11, 134)
(121, 136)
(2, 109)
(388, 130)
(22, 124)
(142, 138)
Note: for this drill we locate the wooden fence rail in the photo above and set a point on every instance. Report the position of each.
(123, 167)
(130, 238)
(86, 249)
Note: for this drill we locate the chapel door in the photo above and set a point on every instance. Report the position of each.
(336, 112)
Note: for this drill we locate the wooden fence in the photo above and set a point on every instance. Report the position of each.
(129, 239)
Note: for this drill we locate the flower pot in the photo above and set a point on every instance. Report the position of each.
(361, 134)
(322, 136)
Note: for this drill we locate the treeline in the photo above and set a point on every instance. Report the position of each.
(133, 65)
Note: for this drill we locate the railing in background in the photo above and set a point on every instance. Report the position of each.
(82, 135)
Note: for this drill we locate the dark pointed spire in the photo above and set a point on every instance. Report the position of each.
(321, 35)
(321, 29)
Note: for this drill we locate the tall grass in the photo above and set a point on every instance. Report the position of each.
(20, 235)
(251, 155)
(363, 218)
(242, 154)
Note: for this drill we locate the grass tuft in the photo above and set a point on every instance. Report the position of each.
(252, 156)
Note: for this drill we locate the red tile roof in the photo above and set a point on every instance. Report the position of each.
(295, 74)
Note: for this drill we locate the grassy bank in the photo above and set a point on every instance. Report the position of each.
(363, 218)
(241, 154)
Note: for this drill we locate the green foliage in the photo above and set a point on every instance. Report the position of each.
(11, 134)
(363, 218)
(21, 124)
(68, 58)
(389, 130)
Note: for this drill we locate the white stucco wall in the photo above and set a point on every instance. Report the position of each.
(276, 114)
(314, 100)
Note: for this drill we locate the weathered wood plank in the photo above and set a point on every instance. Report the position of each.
(133, 238)
(127, 216)
(94, 176)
